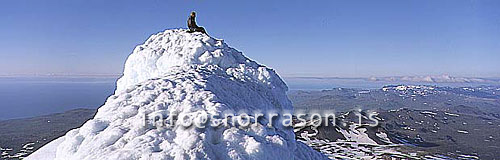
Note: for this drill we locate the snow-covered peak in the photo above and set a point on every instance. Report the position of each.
(188, 75)
(177, 50)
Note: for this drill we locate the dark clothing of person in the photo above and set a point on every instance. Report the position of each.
(192, 25)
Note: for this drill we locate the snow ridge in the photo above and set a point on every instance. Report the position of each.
(174, 51)
(175, 72)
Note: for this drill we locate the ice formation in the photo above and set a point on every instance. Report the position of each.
(191, 74)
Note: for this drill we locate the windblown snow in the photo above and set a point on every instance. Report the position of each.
(191, 74)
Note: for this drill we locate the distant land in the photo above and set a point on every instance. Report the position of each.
(421, 78)
(315, 83)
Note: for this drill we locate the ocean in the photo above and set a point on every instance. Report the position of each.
(22, 97)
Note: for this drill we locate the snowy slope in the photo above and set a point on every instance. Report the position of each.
(352, 141)
(192, 74)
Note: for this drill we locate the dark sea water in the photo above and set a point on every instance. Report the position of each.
(28, 97)
(34, 96)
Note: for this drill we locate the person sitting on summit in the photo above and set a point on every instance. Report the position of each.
(192, 24)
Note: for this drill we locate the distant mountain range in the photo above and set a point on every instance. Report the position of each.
(436, 79)
(423, 79)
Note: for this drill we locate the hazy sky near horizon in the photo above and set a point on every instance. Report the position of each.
(297, 38)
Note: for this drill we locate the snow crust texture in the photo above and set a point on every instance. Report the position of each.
(192, 74)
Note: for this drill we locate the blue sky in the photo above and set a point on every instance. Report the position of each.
(297, 38)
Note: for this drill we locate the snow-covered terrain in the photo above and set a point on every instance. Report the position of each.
(349, 140)
(189, 75)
